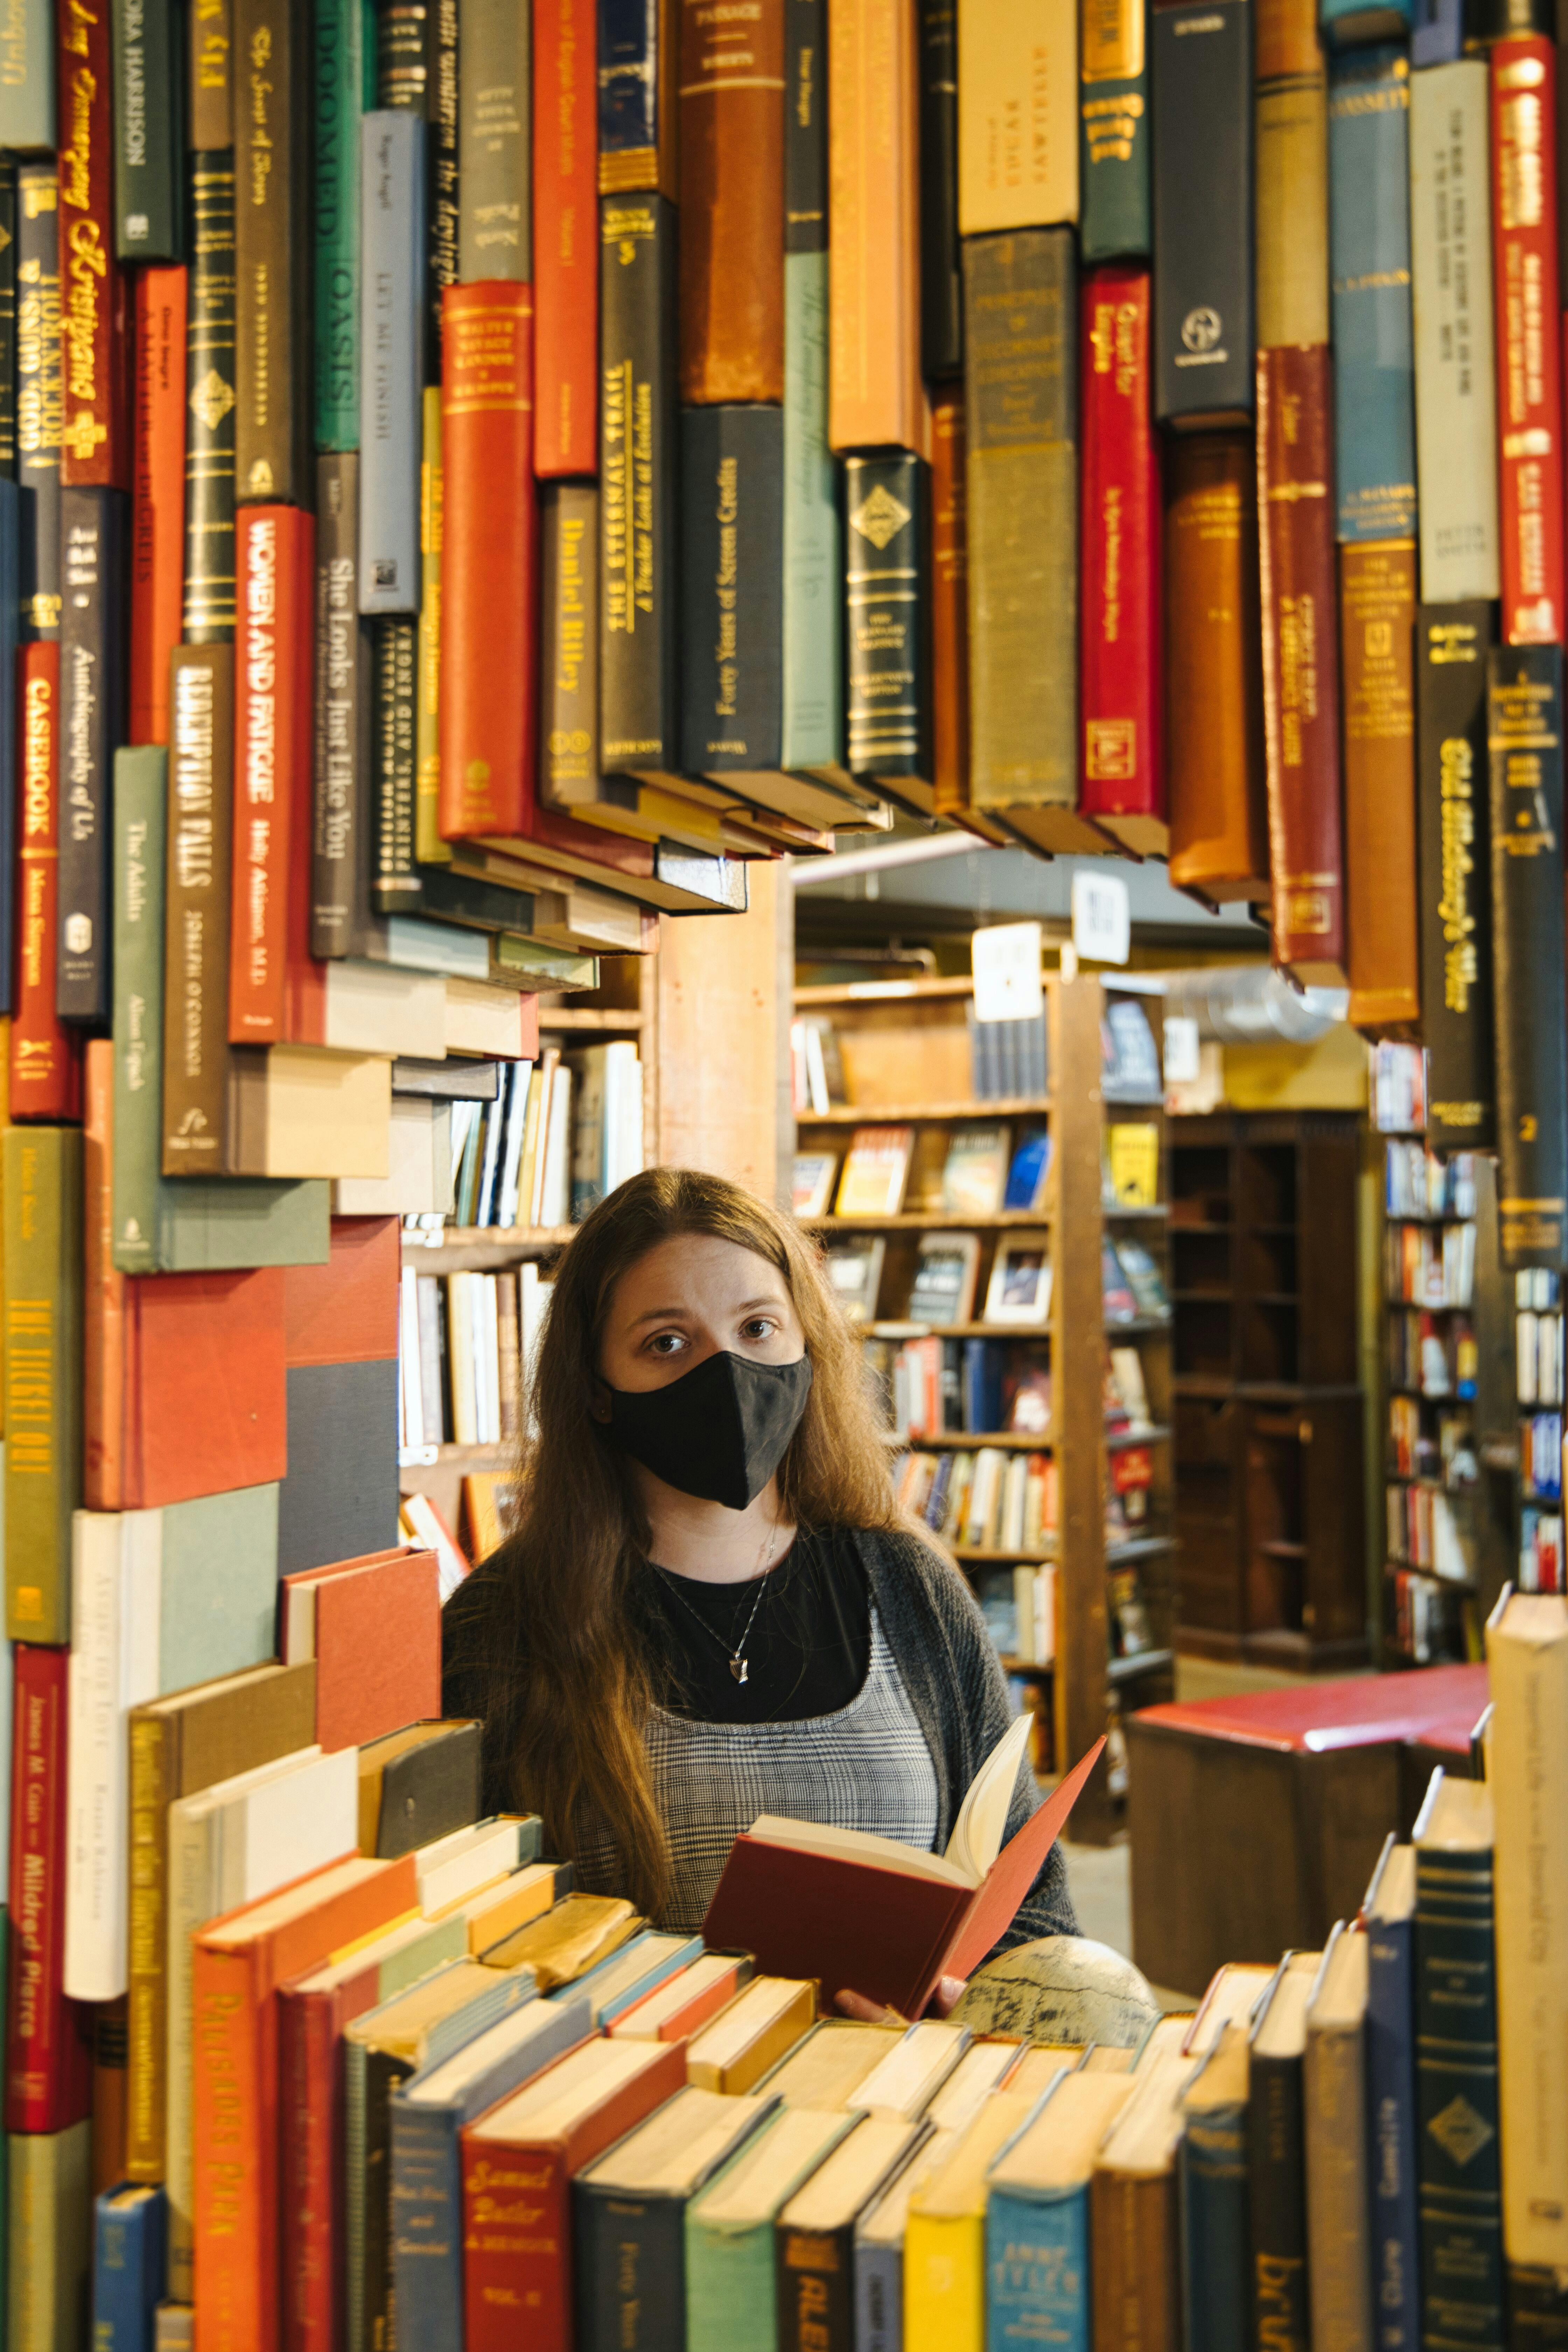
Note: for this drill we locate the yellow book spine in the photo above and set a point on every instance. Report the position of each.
(1018, 114)
(944, 2284)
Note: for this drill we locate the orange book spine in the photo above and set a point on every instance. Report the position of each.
(949, 602)
(158, 507)
(875, 396)
(1377, 622)
(731, 151)
(235, 2218)
(104, 1317)
(565, 237)
(46, 1056)
(275, 551)
(1214, 682)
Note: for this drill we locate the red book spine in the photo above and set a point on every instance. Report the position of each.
(310, 2091)
(565, 238)
(489, 686)
(158, 510)
(94, 434)
(1529, 362)
(45, 1064)
(48, 2064)
(274, 570)
(1123, 769)
(305, 979)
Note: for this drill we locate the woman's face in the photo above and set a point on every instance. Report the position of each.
(691, 1298)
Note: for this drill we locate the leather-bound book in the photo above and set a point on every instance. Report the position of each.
(942, 273)
(47, 2050)
(210, 403)
(638, 700)
(1018, 114)
(565, 251)
(886, 568)
(1214, 683)
(94, 527)
(195, 989)
(1300, 661)
(45, 1054)
(393, 233)
(1204, 330)
(1375, 391)
(40, 396)
(1528, 369)
(950, 602)
(271, 759)
(1292, 176)
(209, 77)
(1455, 910)
(27, 113)
(732, 203)
(1524, 741)
(1114, 222)
(95, 434)
(1451, 304)
(875, 396)
(274, 442)
(158, 501)
(731, 546)
(1377, 611)
(1122, 785)
(637, 95)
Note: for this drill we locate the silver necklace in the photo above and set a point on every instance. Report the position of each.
(739, 1665)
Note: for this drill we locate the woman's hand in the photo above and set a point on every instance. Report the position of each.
(949, 1992)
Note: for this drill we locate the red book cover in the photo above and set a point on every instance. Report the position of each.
(202, 1409)
(517, 2205)
(46, 1056)
(274, 589)
(1123, 778)
(1529, 361)
(158, 506)
(488, 555)
(95, 431)
(346, 1311)
(376, 1642)
(679, 2025)
(565, 237)
(103, 1306)
(48, 2062)
(310, 2088)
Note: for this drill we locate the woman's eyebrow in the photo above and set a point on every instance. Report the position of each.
(663, 1314)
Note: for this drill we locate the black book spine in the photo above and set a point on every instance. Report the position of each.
(1276, 2203)
(7, 321)
(148, 43)
(1453, 797)
(813, 2272)
(210, 403)
(273, 445)
(1204, 330)
(886, 574)
(1460, 2181)
(396, 887)
(94, 537)
(343, 708)
(416, 69)
(731, 542)
(805, 127)
(941, 278)
(630, 2266)
(1524, 736)
(1537, 2310)
(383, 2073)
(472, 904)
(569, 649)
(638, 699)
(40, 398)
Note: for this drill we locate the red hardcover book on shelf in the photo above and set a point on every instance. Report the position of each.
(519, 2162)
(201, 1409)
(683, 2010)
(565, 237)
(46, 1056)
(240, 1962)
(489, 591)
(49, 2063)
(158, 506)
(95, 425)
(374, 1627)
(1529, 359)
(103, 1301)
(1122, 784)
(347, 1310)
(1300, 659)
(275, 558)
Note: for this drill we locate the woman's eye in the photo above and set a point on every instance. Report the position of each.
(665, 1343)
(758, 1326)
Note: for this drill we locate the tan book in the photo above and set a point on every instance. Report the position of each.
(498, 1912)
(828, 2066)
(1339, 2192)
(749, 2193)
(301, 1110)
(678, 2149)
(1232, 1992)
(984, 2066)
(1105, 2058)
(843, 2185)
(1291, 234)
(876, 398)
(1133, 2217)
(1018, 114)
(49, 2218)
(751, 2034)
(1041, 2064)
(1057, 2151)
(569, 1940)
(914, 2070)
(402, 2028)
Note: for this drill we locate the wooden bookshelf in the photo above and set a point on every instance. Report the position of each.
(927, 1114)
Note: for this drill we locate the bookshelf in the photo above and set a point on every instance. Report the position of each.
(904, 1058)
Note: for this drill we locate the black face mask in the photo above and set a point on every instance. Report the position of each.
(719, 1432)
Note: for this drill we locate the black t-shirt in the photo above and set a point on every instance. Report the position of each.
(807, 1650)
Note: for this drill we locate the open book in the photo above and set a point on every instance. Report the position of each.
(868, 1915)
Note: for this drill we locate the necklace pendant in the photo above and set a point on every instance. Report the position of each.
(739, 1668)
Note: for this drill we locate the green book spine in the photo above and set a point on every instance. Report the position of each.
(43, 1376)
(50, 2217)
(209, 78)
(730, 2289)
(139, 820)
(1114, 131)
(495, 234)
(813, 657)
(341, 67)
(210, 404)
(149, 114)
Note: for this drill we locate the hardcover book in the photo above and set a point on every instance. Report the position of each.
(1291, 128)
(43, 1214)
(1122, 777)
(95, 444)
(638, 696)
(950, 601)
(342, 29)
(1114, 131)
(45, 1054)
(1216, 2266)
(28, 96)
(1390, 1913)
(195, 995)
(40, 392)
(92, 723)
(1451, 296)
(812, 737)
(273, 654)
(730, 2227)
(1338, 2179)
(1454, 910)
(1377, 616)
(1524, 732)
(274, 451)
(158, 503)
(565, 154)
(396, 887)
(887, 735)
(1214, 691)
(495, 115)
(731, 541)
(815, 2232)
(945, 2270)
(1018, 114)
(1037, 2238)
(874, 394)
(149, 116)
(374, 1627)
(1529, 362)
(210, 404)
(1204, 330)
(392, 343)
(47, 2070)
(1276, 2153)
(941, 278)
(341, 815)
(637, 95)
(199, 1407)
(1369, 236)
(732, 203)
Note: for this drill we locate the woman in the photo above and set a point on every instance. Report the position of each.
(709, 1607)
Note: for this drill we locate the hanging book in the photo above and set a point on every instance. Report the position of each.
(875, 1172)
(812, 1187)
(943, 1291)
(974, 1175)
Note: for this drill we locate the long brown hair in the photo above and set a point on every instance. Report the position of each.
(569, 1684)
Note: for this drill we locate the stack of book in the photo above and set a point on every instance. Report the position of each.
(984, 1498)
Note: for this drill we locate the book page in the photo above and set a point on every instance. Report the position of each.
(976, 1839)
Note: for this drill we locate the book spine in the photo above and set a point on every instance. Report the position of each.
(1204, 330)
(1300, 661)
(195, 989)
(1037, 2268)
(1369, 248)
(496, 227)
(1451, 303)
(1454, 795)
(1123, 769)
(732, 170)
(276, 563)
(1136, 2260)
(428, 847)
(1291, 128)
(394, 885)
(158, 501)
(140, 785)
(391, 244)
(886, 572)
(235, 2256)
(382, 2074)
(210, 431)
(149, 119)
(874, 394)
(8, 320)
(565, 243)
(489, 589)
(1276, 2187)
(40, 396)
(630, 2264)
(92, 726)
(569, 645)
(813, 654)
(273, 438)
(342, 705)
(43, 1376)
(127, 2271)
(1114, 131)
(209, 77)
(941, 279)
(516, 2245)
(427, 2231)
(1524, 734)
(338, 104)
(1020, 348)
(27, 92)
(1018, 116)
(1216, 2271)
(732, 475)
(1377, 616)
(309, 2204)
(1338, 2188)
(95, 446)
(1459, 2187)
(636, 97)
(46, 2069)
(45, 1068)
(638, 714)
(10, 814)
(948, 600)
(1391, 2133)
(879, 2299)
(1529, 358)
(151, 1789)
(444, 238)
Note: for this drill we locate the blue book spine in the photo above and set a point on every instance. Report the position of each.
(392, 250)
(1217, 2263)
(879, 2298)
(1037, 2272)
(428, 2226)
(629, 85)
(1458, 2124)
(1438, 34)
(1391, 2124)
(1369, 255)
(1344, 22)
(128, 2251)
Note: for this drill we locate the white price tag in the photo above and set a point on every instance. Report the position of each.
(1102, 917)
(1005, 961)
(1182, 1058)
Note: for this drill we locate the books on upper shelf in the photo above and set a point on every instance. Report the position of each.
(812, 1189)
(1008, 1060)
(1150, 1294)
(1118, 1304)
(1127, 1395)
(986, 1499)
(876, 1169)
(855, 1271)
(1130, 1057)
(1435, 1356)
(1019, 1606)
(946, 1267)
(1131, 1168)
(1430, 1265)
(816, 1067)
(465, 1346)
(1030, 1171)
(1398, 1087)
(1019, 1290)
(1416, 1183)
(975, 1172)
